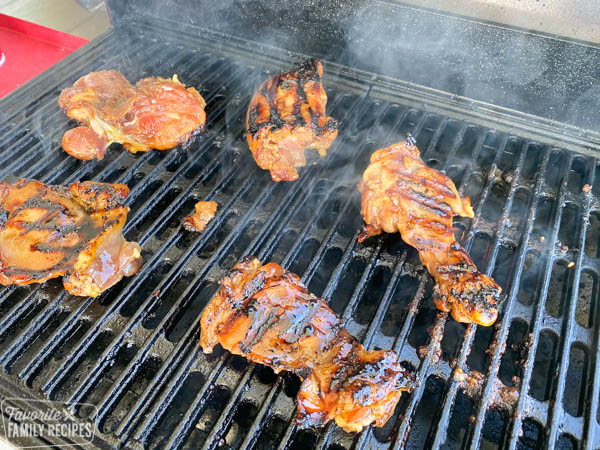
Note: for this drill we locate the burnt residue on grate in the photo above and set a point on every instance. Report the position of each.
(133, 352)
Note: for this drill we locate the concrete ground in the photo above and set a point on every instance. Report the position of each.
(70, 16)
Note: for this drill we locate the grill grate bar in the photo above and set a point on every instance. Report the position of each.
(29, 333)
(515, 430)
(165, 399)
(426, 363)
(400, 340)
(224, 419)
(263, 412)
(325, 244)
(12, 315)
(192, 412)
(569, 324)
(503, 322)
(503, 327)
(591, 435)
(20, 310)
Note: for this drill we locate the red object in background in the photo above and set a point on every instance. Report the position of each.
(28, 49)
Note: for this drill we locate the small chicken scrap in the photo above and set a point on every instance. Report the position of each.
(401, 193)
(205, 211)
(267, 315)
(76, 231)
(155, 113)
(286, 116)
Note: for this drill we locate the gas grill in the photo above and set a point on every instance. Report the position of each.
(132, 354)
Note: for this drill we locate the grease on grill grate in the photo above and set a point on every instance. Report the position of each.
(133, 352)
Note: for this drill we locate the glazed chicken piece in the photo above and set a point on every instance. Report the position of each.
(74, 232)
(287, 116)
(155, 113)
(265, 314)
(401, 193)
(205, 211)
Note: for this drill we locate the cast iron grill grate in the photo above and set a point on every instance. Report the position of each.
(528, 382)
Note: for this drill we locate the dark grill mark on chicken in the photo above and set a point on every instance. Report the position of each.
(286, 116)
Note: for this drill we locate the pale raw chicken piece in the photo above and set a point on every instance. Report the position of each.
(156, 113)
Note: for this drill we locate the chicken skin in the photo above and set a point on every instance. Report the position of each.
(401, 193)
(267, 315)
(204, 213)
(287, 116)
(74, 232)
(155, 113)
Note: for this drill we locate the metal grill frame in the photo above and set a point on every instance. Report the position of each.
(183, 357)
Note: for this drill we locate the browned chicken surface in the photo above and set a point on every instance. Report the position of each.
(401, 193)
(287, 116)
(75, 231)
(265, 314)
(204, 213)
(156, 113)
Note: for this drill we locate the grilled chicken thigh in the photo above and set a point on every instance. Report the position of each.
(401, 193)
(204, 213)
(74, 231)
(267, 315)
(287, 116)
(155, 113)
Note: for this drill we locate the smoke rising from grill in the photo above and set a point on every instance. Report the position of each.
(514, 69)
